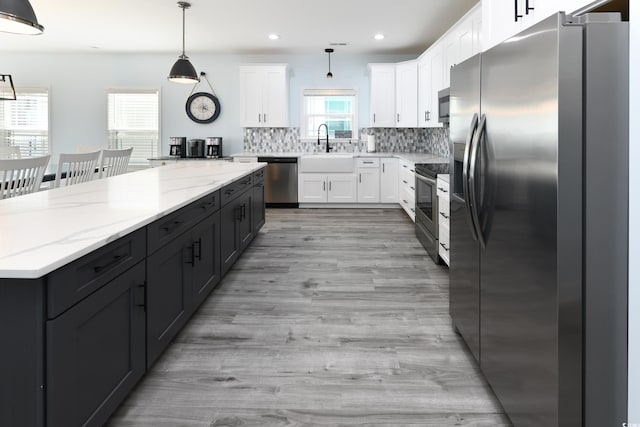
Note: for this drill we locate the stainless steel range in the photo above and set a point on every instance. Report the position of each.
(427, 205)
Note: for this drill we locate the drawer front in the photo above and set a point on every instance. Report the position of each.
(167, 228)
(77, 280)
(443, 188)
(258, 176)
(407, 166)
(245, 159)
(443, 243)
(443, 211)
(367, 163)
(235, 189)
(407, 201)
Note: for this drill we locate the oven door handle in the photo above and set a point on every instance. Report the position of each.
(465, 176)
(426, 179)
(477, 138)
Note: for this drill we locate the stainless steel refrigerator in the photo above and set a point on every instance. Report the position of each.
(538, 274)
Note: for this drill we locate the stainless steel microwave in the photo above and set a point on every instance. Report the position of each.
(443, 106)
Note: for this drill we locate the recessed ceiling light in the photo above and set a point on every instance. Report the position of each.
(379, 36)
(273, 37)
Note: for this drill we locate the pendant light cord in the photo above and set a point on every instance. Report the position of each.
(183, 31)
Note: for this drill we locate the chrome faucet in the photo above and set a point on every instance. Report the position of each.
(327, 131)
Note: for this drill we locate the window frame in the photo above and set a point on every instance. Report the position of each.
(135, 90)
(328, 92)
(38, 90)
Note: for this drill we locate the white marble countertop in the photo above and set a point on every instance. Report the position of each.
(410, 157)
(43, 231)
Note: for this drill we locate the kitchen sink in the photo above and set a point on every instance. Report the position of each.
(326, 162)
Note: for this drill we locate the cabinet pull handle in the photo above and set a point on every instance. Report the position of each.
(324, 186)
(265, 117)
(413, 188)
(329, 185)
(191, 258)
(174, 223)
(445, 216)
(229, 191)
(199, 254)
(398, 117)
(114, 261)
(515, 9)
(244, 211)
(411, 170)
(444, 247)
(404, 181)
(359, 177)
(405, 201)
(140, 295)
(374, 117)
(442, 189)
(383, 168)
(259, 118)
(428, 116)
(527, 8)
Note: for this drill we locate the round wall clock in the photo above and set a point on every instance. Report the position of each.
(203, 107)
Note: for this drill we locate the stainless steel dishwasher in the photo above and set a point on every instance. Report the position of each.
(281, 182)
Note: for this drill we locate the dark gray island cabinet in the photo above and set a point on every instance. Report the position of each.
(76, 341)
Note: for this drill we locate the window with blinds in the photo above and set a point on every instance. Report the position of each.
(24, 123)
(134, 122)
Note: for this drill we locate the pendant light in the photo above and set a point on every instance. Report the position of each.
(18, 17)
(182, 71)
(329, 52)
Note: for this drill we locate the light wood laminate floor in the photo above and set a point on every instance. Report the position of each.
(331, 317)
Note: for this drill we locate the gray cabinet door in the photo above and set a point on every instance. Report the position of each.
(246, 223)
(95, 352)
(257, 209)
(169, 293)
(206, 268)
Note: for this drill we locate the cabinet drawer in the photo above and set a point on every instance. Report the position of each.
(443, 211)
(245, 159)
(233, 190)
(77, 280)
(443, 243)
(171, 226)
(258, 176)
(407, 166)
(367, 162)
(443, 188)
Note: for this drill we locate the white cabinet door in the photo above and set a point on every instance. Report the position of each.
(276, 97)
(389, 180)
(251, 79)
(264, 96)
(407, 94)
(451, 53)
(437, 83)
(383, 95)
(368, 185)
(342, 188)
(424, 91)
(312, 188)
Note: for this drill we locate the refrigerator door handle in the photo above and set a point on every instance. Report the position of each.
(465, 175)
(472, 184)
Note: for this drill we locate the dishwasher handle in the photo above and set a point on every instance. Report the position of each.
(278, 159)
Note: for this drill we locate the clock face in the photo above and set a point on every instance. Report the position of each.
(203, 107)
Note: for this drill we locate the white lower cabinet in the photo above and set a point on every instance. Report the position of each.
(327, 188)
(368, 171)
(443, 217)
(406, 186)
(389, 180)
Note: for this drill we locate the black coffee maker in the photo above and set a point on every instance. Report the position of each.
(214, 147)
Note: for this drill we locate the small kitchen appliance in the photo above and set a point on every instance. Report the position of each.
(214, 147)
(177, 146)
(195, 148)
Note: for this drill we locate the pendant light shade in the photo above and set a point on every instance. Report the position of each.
(329, 52)
(183, 71)
(18, 17)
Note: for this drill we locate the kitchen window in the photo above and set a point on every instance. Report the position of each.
(337, 108)
(134, 117)
(24, 123)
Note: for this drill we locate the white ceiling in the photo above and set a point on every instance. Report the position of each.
(238, 26)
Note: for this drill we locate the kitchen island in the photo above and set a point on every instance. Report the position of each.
(96, 279)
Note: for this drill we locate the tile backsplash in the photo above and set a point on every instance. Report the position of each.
(406, 140)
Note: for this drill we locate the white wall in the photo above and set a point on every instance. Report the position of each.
(634, 215)
(78, 83)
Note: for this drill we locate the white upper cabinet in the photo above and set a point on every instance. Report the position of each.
(382, 95)
(431, 80)
(407, 94)
(503, 19)
(264, 96)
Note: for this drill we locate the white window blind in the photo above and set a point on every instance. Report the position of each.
(337, 108)
(24, 123)
(134, 122)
